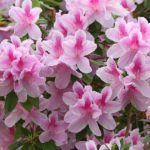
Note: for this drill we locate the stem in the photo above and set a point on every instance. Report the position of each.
(53, 2)
(129, 122)
(145, 146)
(46, 6)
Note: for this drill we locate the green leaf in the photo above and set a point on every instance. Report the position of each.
(147, 138)
(97, 62)
(10, 102)
(95, 29)
(147, 3)
(82, 134)
(35, 3)
(28, 146)
(114, 147)
(125, 147)
(87, 78)
(51, 3)
(30, 103)
(20, 131)
(49, 146)
(15, 146)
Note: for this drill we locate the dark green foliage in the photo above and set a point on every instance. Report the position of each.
(10, 102)
(30, 103)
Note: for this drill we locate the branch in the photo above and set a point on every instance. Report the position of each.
(129, 122)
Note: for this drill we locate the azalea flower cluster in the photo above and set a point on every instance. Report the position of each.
(132, 48)
(44, 96)
(110, 140)
(87, 107)
(20, 69)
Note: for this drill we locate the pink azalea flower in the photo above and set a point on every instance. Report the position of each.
(50, 52)
(55, 101)
(70, 98)
(83, 113)
(87, 107)
(128, 47)
(5, 32)
(112, 142)
(91, 142)
(72, 5)
(139, 69)
(34, 116)
(144, 28)
(78, 21)
(54, 129)
(80, 145)
(18, 43)
(28, 75)
(71, 142)
(102, 10)
(18, 113)
(62, 74)
(108, 136)
(55, 48)
(120, 31)
(139, 72)
(122, 133)
(69, 23)
(112, 75)
(129, 5)
(18, 3)
(135, 140)
(76, 48)
(26, 18)
(40, 51)
(5, 3)
(61, 24)
(41, 55)
(89, 145)
(107, 107)
(20, 70)
(7, 136)
(130, 94)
